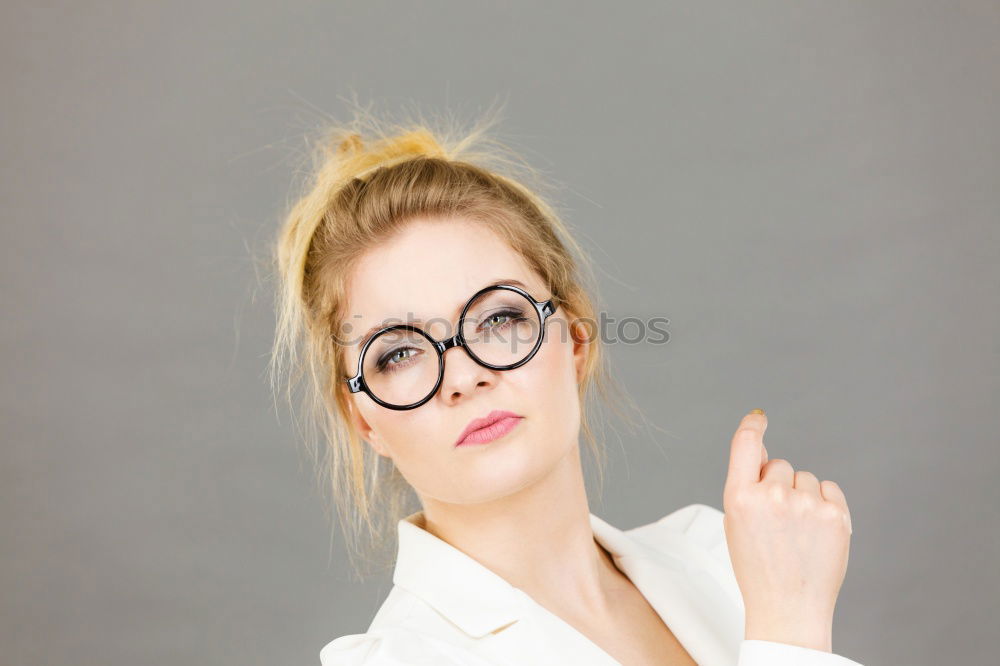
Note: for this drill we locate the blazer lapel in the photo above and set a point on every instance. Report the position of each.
(501, 622)
(504, 623)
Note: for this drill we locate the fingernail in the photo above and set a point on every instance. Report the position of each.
(757, 411)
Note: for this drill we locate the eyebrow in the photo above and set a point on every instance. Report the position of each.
(377, 327)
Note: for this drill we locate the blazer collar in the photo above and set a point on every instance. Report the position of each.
(443, 575)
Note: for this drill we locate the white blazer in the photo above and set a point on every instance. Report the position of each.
(447, 609)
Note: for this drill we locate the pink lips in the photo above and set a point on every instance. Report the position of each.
(494, 425)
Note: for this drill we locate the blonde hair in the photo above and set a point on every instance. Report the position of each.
(370, 178)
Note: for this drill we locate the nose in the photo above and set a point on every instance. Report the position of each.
(462, 375)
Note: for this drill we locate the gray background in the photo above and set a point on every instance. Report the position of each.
(808, 191)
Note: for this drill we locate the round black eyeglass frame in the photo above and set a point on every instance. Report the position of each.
(544, 309)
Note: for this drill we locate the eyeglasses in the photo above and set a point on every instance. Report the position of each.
(501, 328)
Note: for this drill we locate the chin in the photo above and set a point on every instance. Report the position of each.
(518, 466)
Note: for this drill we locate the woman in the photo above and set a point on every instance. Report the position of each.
(406, 245)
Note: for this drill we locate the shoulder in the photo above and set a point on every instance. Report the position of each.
(700, 524)
(395, 647)
(374, 648)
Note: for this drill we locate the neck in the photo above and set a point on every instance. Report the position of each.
(538, 539)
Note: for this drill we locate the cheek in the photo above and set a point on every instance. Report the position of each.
(552, 369)
(416, 442)
(547, 386)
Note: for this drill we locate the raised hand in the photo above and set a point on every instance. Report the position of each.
(789, 536)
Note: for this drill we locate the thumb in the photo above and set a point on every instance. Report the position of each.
(747, 452)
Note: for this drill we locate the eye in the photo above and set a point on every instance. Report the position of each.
(498, 319)
(391, 360)
(493, 320)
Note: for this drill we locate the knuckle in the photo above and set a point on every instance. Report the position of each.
(805, 475)
(736, 502)
(826, 484)
(833, 515)
(778, 493)
(806, 502)
(781, 463)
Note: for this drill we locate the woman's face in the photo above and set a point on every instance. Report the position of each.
(428, 272)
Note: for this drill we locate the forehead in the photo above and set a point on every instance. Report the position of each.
(429, 270)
